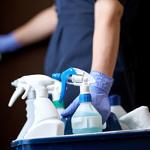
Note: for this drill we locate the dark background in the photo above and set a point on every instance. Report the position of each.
(29, 60)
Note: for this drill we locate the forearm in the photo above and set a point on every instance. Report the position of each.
(41, 26)
(106, 35)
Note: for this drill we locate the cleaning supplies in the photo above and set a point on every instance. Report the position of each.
(137, 119)
(116, 108)
(46, 122)
(86, 119)
(55, 91)
(29, 107)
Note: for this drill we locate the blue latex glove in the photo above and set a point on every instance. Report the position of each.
(8, 43)
(99, 92)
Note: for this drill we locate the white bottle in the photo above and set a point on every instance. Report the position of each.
(46, 118)
(116, 108)
(46, 122)
(30, 115)
(20, 88)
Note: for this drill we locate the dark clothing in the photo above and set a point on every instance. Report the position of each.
(71, 44)
(123, 2)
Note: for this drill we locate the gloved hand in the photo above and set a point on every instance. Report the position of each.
(99, 92)
(8, 43)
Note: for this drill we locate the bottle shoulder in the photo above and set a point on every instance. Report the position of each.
(86, 109)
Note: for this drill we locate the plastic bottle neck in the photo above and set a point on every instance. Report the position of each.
(41, 92)
(85, 95)
(85, 98)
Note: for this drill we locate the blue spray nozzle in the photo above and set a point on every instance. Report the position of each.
(63, 77)
(56, 76)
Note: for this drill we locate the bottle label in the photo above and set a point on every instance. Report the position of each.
(58, 104)
(86, 130)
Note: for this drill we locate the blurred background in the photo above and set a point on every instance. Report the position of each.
(29, 60)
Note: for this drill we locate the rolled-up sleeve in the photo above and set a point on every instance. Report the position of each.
(122, 2)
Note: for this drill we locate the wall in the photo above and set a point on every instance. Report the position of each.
(28, 60)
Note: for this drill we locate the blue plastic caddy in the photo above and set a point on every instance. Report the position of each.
(116, 140)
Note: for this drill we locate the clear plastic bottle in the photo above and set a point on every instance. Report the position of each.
(86, 118)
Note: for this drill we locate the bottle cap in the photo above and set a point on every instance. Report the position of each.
(115, 100)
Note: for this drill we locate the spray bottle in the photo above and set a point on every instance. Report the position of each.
(55, 91)
(20, 88)
(46, 118)
(86, 119)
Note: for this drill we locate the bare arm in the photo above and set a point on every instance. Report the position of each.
(108, 14)
(41, 26)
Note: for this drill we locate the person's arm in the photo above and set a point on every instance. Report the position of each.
(105, 49)
(108, 15)
(38, 28)
(41, 26)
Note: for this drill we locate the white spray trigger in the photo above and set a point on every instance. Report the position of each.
(21, 86)
(17, 93)
(27, 89)
(81, 77)
(15, 83)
